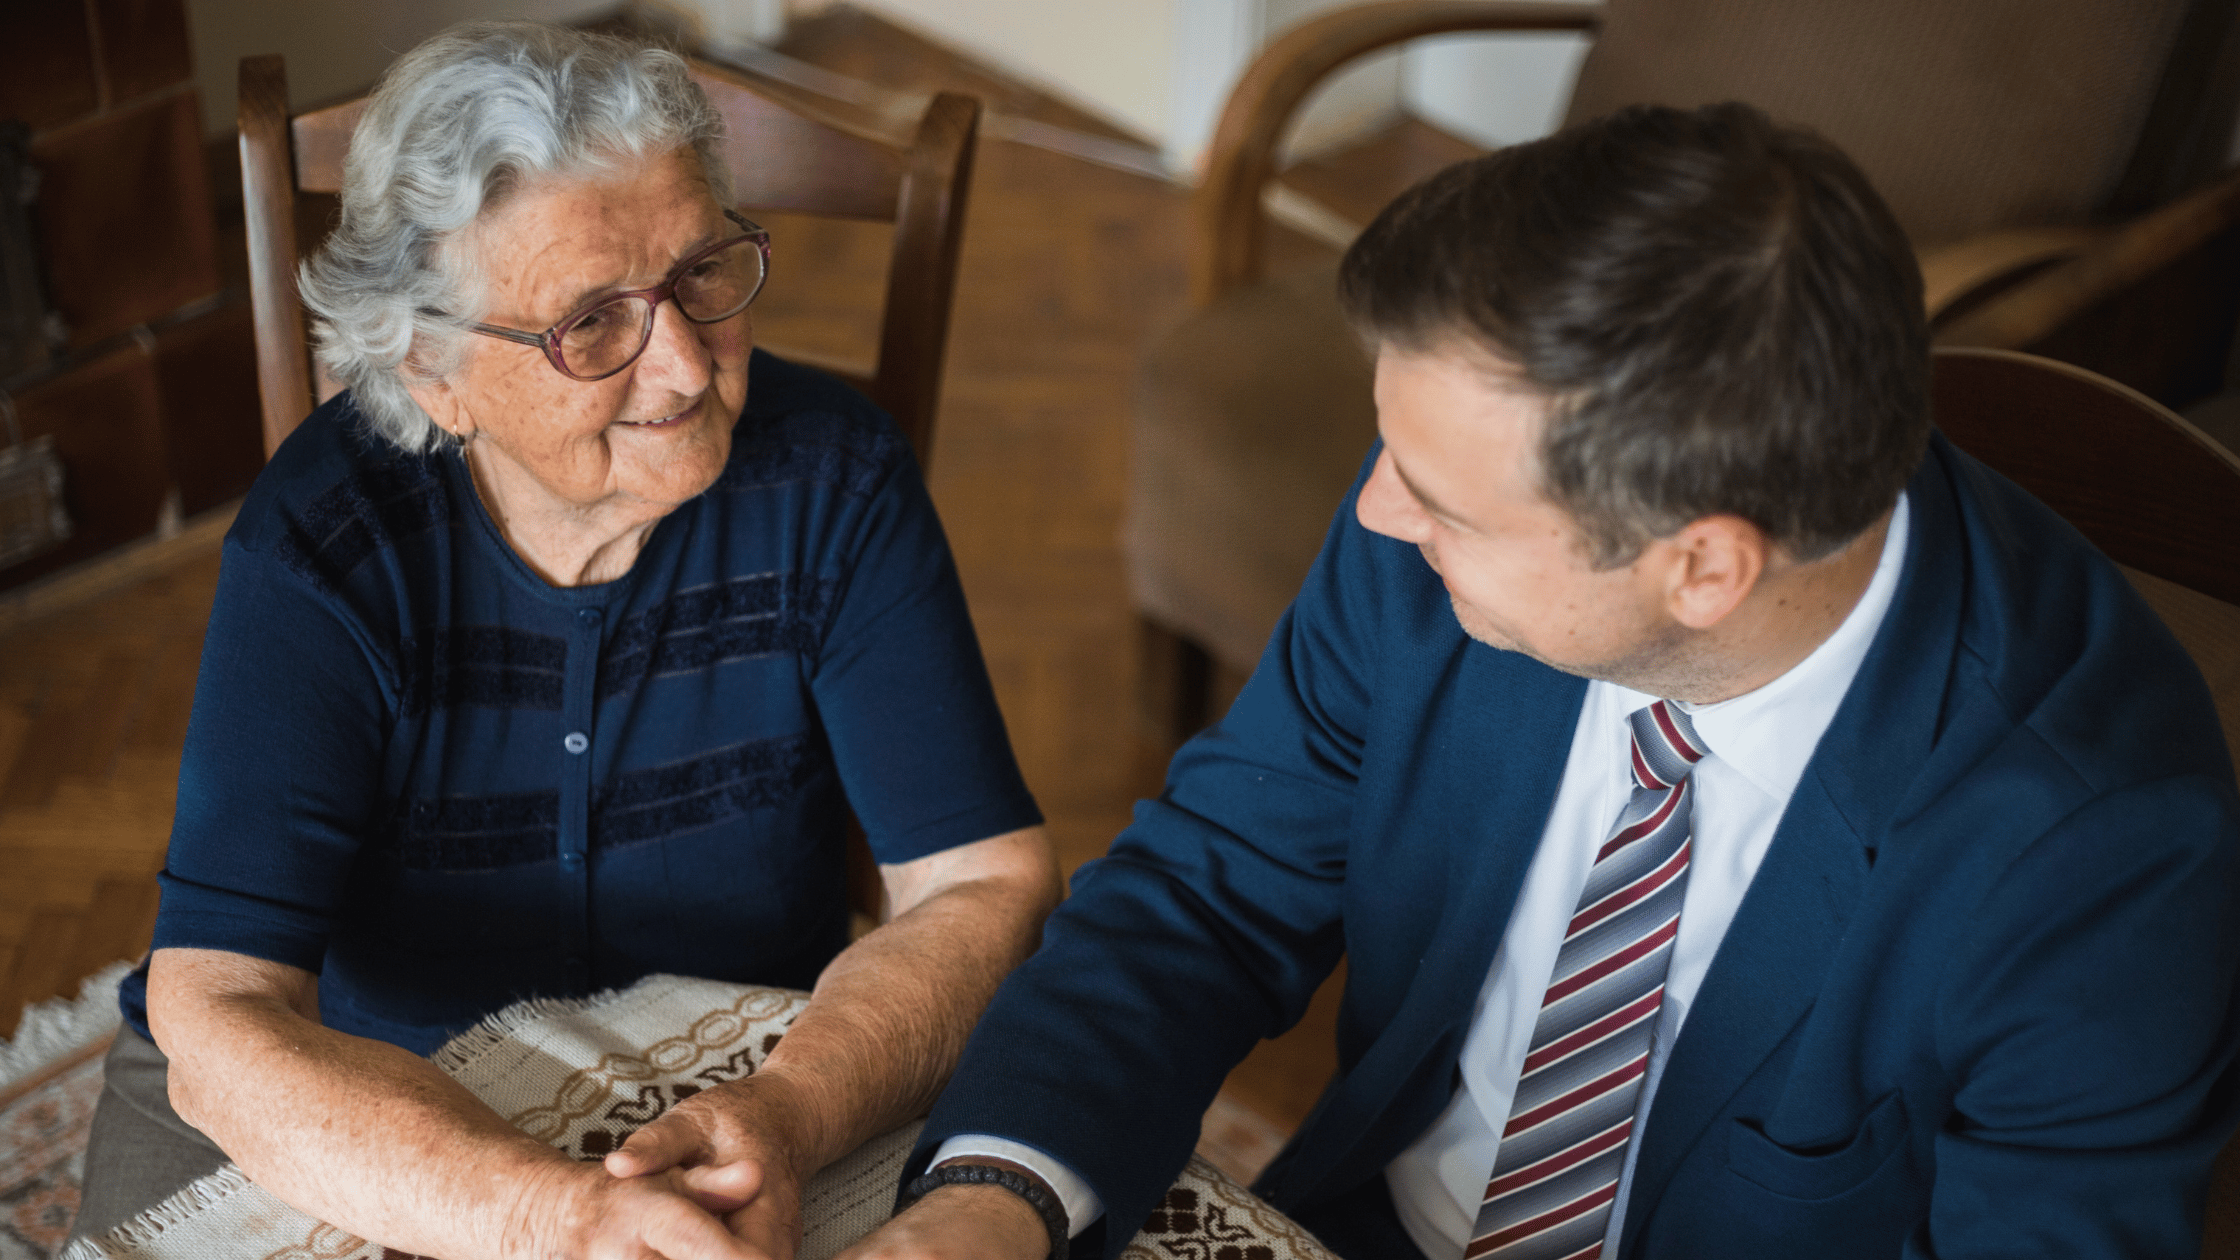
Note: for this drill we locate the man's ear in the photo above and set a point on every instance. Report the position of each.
(1714, 564)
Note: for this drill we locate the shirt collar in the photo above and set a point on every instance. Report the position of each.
(1769, 734)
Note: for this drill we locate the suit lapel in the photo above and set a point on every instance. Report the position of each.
(1768, 969)
(1417, 962)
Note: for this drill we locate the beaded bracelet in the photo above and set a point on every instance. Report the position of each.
(1039, 1198)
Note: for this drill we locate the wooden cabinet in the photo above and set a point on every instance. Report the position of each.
(149, 386)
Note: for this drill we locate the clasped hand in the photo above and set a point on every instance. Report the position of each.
(717, 1177)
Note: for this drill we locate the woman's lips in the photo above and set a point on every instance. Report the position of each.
(662, 423)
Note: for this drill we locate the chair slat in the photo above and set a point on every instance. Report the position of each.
(2145, 486)
(322, 140)
(783, 159)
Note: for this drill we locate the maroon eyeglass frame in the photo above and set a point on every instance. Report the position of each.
(549, 339)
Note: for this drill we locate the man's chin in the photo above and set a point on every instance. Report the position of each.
(1475, 625)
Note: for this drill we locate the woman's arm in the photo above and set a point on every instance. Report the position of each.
(878, 1039)
(375, 1139)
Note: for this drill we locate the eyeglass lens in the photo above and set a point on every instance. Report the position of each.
(714, 288)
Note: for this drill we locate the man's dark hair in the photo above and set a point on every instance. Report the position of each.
(1725, 315)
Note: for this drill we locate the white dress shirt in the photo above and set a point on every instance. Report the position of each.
(1759, 745)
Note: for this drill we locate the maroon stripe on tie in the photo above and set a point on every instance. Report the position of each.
(1609, 1139)
(1631, 893)
(1646, 827)
(1616, 1078)
(1624, 1017)
(1642, 771)
(1545, 1221)
(1635, 952)
(1680, 743)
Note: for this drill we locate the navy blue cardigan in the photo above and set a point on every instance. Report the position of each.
(421, 772)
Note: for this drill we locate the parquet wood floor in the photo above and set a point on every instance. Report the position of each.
(93, 709)
(1068, 267)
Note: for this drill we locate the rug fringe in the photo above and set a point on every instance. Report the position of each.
(53, 1028)
(455, 1055)
(143, 1230)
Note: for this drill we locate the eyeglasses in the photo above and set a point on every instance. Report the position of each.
(608, 334)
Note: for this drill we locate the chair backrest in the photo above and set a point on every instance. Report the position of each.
(2158, 495)
(1993, 114)
(1228, 231)
(2142, 483)
(1968, 117)
(786, 153)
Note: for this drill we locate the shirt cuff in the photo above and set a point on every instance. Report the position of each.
(1081, 1203)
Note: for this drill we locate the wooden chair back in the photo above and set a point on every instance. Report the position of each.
(2146, 486)
(787, 152)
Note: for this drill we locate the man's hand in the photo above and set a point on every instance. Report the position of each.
(739, 1149)
(959, 1223)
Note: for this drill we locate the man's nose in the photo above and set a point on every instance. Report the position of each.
(1386, 507)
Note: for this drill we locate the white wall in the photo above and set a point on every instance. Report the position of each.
(1493, 90)
(333, 47)
(1111, 56)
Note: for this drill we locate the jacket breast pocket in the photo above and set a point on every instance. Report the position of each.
(1819, 1172)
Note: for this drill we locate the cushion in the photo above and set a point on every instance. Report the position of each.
(1252, 417)
(1985, 114)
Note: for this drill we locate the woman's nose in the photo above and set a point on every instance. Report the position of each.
(675, 354)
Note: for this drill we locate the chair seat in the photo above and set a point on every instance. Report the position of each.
(1252, 418)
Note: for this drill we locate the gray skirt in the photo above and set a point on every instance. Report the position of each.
(141, 1152)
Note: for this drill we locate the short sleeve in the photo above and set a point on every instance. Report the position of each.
(280, 775)
(903, 693)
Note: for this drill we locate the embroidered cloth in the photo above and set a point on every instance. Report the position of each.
(583, 1075)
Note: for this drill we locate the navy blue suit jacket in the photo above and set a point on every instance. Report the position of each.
(1979, 999)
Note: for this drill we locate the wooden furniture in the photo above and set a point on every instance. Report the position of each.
(2147, 487)
(786, 153)
(2153, 492)
(1254, 410)
(119, 337)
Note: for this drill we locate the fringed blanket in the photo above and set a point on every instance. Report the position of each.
(584, 1075)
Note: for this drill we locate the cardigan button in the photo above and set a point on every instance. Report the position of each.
(576, 741)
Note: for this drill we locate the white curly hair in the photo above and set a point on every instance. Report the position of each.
(455, 127)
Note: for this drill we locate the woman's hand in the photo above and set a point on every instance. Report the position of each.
(745, 1140)
(374, 1139)
(582, 1213)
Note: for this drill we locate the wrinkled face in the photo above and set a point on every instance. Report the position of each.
(647, 438)
(1458, 478)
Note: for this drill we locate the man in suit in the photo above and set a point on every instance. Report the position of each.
(1753, 827)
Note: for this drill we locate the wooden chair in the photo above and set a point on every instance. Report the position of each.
(787, 153)
(2154, 493)
(1254, 410)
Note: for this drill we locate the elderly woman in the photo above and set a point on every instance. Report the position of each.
(540, 661)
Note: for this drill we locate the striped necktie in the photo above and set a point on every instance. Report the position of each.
(1556, 1172)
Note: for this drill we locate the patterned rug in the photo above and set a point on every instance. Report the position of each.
(583, 1076)
(50, 1076)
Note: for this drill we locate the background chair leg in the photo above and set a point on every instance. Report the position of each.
(1172, 685)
